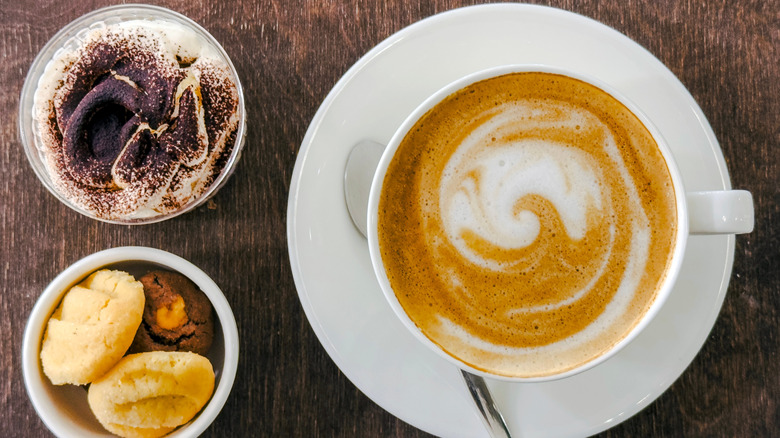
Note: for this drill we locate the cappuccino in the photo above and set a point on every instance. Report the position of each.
(526, 222)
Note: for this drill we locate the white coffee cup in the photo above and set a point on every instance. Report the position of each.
(710, 212)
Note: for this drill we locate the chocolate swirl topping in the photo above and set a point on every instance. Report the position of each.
(136, 125)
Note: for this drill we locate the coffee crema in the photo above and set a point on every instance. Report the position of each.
(526, 223)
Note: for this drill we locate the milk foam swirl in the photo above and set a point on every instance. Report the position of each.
(494, 182)
(524, 236)
(487, 177)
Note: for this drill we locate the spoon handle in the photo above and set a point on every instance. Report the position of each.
(490, 414)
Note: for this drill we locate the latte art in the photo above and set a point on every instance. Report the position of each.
(490, 179)
(525, 223)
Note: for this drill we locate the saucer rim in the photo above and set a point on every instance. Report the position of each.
(435, 20)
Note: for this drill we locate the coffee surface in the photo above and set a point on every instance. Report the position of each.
(526, 223)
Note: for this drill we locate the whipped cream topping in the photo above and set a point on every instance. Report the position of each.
(137, 120)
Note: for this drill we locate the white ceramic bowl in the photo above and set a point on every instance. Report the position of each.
(70, 37)
(64, 409)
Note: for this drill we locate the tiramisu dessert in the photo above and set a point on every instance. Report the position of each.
(137, 121)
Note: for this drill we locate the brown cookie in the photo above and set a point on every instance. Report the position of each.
(177, 315)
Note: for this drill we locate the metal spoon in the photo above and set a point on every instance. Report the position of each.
(359, 172)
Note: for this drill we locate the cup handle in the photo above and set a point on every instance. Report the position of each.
(720, 212)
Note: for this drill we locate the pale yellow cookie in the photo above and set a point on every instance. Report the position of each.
(92, 328)
(150, 394)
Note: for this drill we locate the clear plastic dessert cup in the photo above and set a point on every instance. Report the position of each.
(64, 409)
(70, 38)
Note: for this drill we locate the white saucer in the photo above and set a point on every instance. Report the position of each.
(330, 261)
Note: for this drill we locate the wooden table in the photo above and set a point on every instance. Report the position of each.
(289, 54)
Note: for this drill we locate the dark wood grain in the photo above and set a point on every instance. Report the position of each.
(289, 53)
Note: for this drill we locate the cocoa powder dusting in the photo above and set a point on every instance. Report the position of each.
(130, 130)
